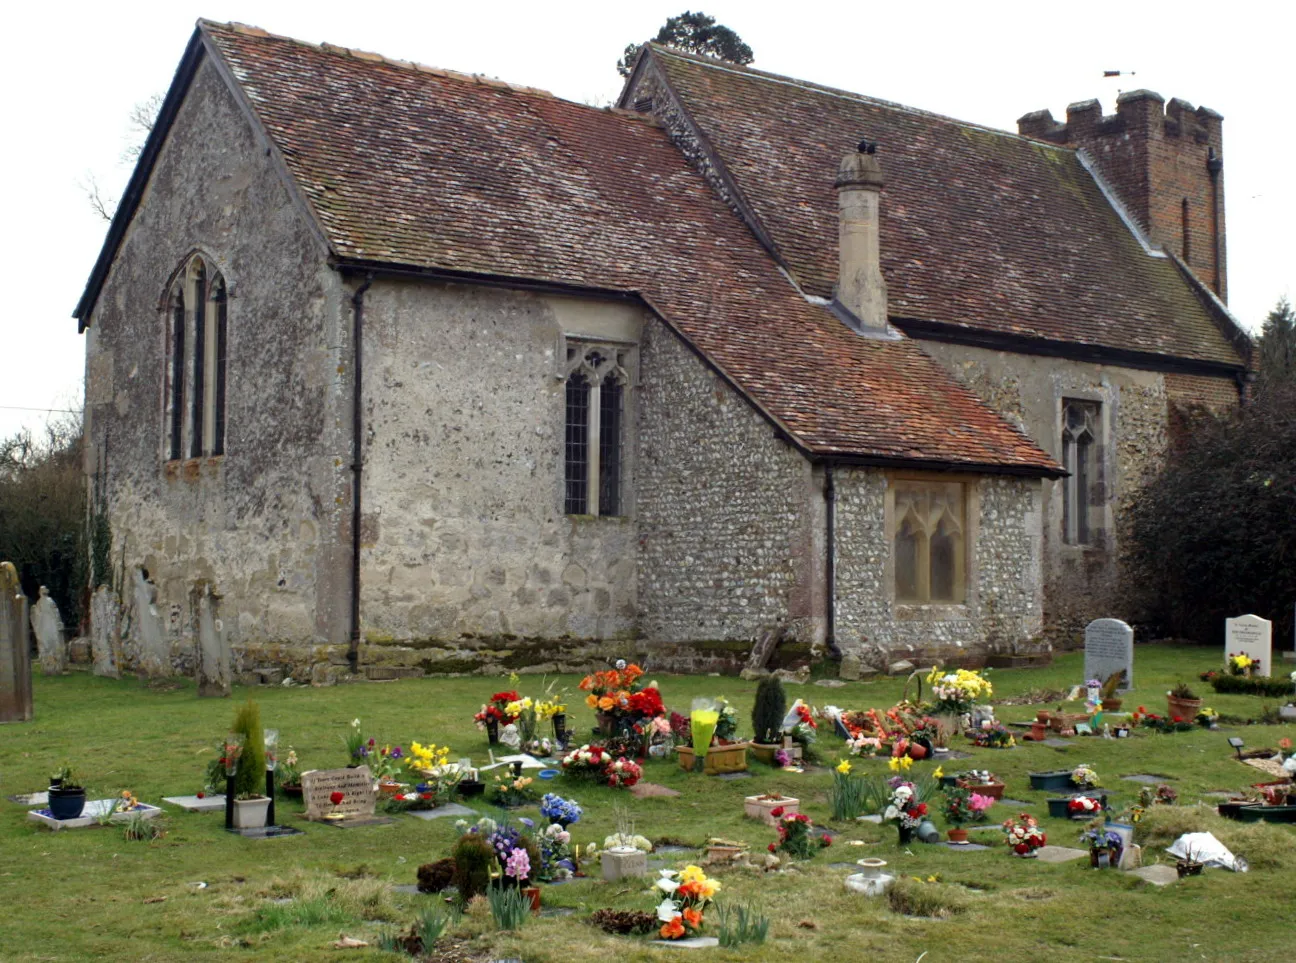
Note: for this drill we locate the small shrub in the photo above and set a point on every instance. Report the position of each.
(139, 829)
(912, 897)
(768, 711)
(509, 907)
(473, 858)
(1271, 686)
(434, 877)
(250, 778)
(741, 924)
(624, 922)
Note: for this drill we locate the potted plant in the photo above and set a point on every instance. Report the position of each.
(963, 806)
(794, 835)
(1182, 702)
(495, 714)
(711, 723)
(67, 796)
(762, 807)
(1104, 846)
(250, 802)
(290, 775)
(767, 719)
(1189, 865)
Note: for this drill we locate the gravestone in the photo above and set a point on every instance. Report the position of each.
(47, 626)
(1253, 637)
(15, 649)
(1109, 647)
(213, 661)
(153, 648)
(356, 786)
(105, 641)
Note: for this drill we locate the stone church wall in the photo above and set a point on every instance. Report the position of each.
(467, 555)
(1082, 582)
(730, 517)
(264, 525)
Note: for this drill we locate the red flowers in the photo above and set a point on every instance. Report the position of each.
(777, 811)
(647, 703)
(336, 797)
(803, 714)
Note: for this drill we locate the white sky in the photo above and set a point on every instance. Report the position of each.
(72, 74)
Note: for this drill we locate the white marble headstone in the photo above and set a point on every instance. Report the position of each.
(1109, 647)
(1252, 636)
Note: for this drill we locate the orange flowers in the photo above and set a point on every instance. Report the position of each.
(673, 930)
(592, 701)
(606, 703)
(693, 917)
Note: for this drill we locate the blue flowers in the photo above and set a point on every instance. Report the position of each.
(564, 812)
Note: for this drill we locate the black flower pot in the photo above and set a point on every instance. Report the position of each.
(906, 835)
(492, 731)
(66, 802)
(560, 727)
(471, 787)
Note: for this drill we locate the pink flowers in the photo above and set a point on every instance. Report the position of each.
(518, 865)
(979, 803)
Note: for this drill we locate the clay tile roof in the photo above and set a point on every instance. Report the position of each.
(980, 228)
(410, 166)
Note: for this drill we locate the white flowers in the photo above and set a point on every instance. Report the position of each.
(667, 884)
(667, 911)
(628, 841)
(355, 723)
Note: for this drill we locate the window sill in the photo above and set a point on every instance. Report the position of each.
(595, 519)
(190, 468)
(932, 612)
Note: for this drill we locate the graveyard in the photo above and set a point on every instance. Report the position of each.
(193, 890)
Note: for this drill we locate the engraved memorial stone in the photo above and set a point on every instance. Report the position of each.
(153, 648)
(213, 648)
(358, 799)
(1253, 637)
(15, 649)
(1109, 647)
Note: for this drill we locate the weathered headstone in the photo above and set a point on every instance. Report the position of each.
(105, 639)
(1253, 637)
(48, 629)
(1109, 647)
(213, 662)
(146, 626)
(356, 786)
(15, 649)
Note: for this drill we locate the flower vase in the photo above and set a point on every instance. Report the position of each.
(532, 893)
(492, 731)
(906, 835)
(560, 728)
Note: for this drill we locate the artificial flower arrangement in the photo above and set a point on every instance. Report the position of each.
(1085, 777)
(387, 763)
(508, 790)
(1208, 718)
(794, 835)
(1162, 795)
(1241, 664)
(1158, 723)
(992, 735)
(864, 745)
(1084, 806)
(495, 712)
(1104, 846)
(622, 773)
(557, 858)
(681, 729)
(627, 840)
(563, 812)
(726, 726)
(956, 692)
(586, 762)
(1024, 835)
(688, 894)
(903, 808)
(610, 693)
(439, 779)
(804, 730)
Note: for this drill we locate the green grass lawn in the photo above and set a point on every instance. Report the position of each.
(86, 894)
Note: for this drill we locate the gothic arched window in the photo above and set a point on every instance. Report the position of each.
(195, 370)
(1080, 426)
(597, 389)
(929, 542)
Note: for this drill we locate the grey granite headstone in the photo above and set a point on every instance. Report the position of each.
(15, 649)
(1109, 647)
(1251, 636)
(146, 626)
(105, 640)
(47, 626)
(213, 662)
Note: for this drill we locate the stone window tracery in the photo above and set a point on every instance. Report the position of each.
(197, 339)
(930, 553)
(1080, 428)
(598, 382)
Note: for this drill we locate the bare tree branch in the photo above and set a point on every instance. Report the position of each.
(139, 124)
(104, 207)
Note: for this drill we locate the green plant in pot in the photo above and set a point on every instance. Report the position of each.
(250, 801)
(1183, 703)
(67, 796)
(767, 719)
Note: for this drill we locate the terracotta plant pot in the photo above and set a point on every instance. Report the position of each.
(1111, 705)
(533, 894)
(958, 835)
(995, 790)
(1042, 715)
(1185, 709)
(764, 751)
(1038, 730)
(917, 751)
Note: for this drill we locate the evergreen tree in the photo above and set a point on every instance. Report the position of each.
(694, 33)
(1276, 348)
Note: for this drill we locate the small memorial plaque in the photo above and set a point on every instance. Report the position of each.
(1252, 636)
(356, 786)
(1109, 647)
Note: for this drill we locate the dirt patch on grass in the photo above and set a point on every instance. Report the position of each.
(909, 897)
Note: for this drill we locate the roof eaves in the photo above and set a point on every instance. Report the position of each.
(139, 179)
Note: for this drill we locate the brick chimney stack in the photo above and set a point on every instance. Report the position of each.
(1166, 164)
(860, 287)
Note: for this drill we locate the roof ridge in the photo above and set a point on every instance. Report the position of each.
(249, 30)
(789, 81)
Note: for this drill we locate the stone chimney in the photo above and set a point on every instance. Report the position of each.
(1165, 162)
(860, 287)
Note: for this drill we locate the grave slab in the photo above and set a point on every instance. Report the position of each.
(556, 911)
(1252, 636)
(651, 790)
(355, 822)
(31, 799)
(94, 809)
(1156, 875)
(1015, 802)
(1108, 648)
(1056, 743)
(964, 847)
(695, 943)
(1060, 854)
(449, 809)
(267, 832)
(192, 804)
(875, 818)
(728, 777)
(1146, 778)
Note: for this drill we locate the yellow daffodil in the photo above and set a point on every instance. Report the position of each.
(938, 773)
(900, 763)
(844, 767)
